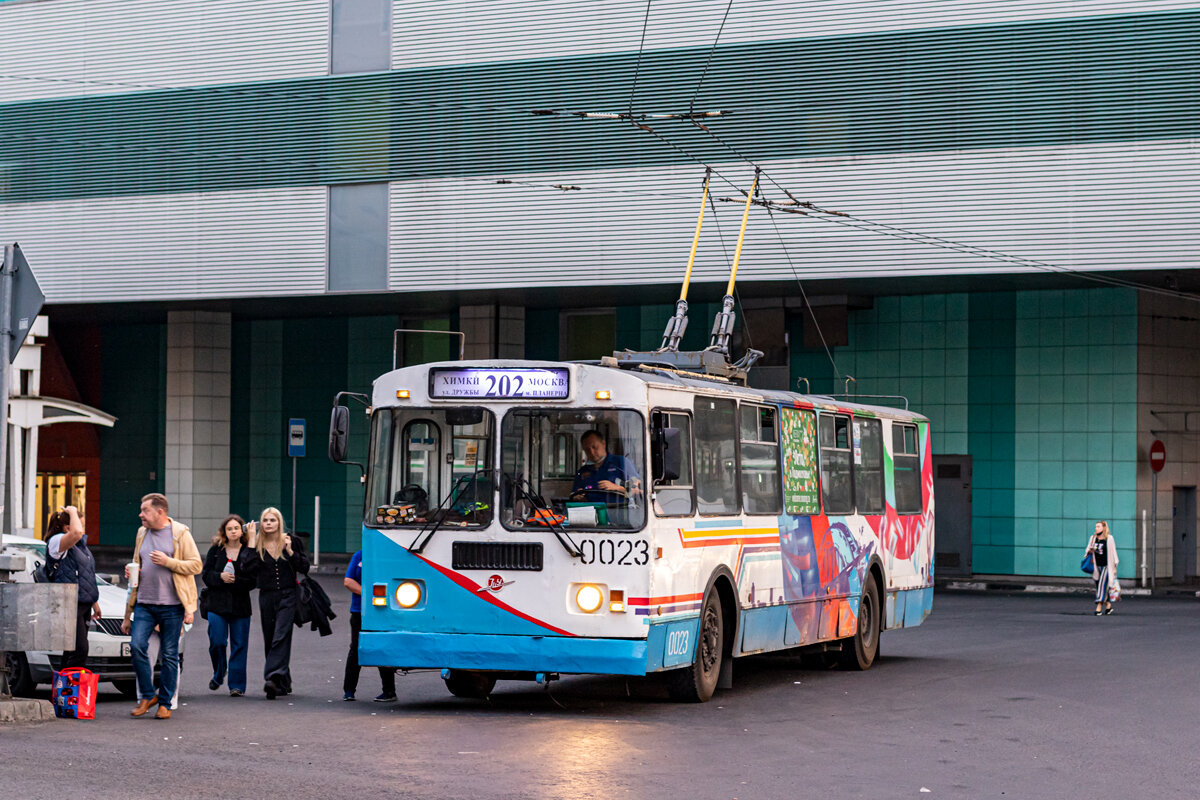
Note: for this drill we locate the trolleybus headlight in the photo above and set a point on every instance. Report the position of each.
(408, 594)
(604, 394)
(589, 597)
(402, 394)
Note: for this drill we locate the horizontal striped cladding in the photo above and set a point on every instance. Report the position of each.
(442, 33)
(64, 48)
(1090, 208)
(174, 247)
(1056, 83)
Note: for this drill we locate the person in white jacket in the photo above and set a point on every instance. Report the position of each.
(1103, 548)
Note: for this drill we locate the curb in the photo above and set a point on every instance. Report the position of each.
(1044, 588)
(19, 710)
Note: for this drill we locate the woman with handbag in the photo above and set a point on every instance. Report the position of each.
(228, 577)
(279, 561)
(1102, 547)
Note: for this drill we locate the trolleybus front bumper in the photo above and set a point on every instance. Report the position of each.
(563, 654)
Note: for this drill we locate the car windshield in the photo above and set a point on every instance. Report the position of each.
(431, 465)
(575, 467)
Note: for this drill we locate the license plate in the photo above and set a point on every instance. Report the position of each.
(124, 649)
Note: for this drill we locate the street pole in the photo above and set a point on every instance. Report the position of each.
(1153, 529)
(317, 531)
(293, 494)
(6, 293)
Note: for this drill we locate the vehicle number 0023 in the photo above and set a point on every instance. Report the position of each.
(622, 552)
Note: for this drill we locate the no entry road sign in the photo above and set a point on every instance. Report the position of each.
(1158, 455)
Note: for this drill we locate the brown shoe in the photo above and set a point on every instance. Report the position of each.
(162, 713)
(143, 706)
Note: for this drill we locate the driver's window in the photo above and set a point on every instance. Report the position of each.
(676, 497)
(420, 457)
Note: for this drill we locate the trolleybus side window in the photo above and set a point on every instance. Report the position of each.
(868, 466)
(836, 478)
(761, 490)
(906, 461)
(676, 497)
(716, 456)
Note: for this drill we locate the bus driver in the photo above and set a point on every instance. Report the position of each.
(604, 477)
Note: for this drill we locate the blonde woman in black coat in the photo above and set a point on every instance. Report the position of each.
(279, 561)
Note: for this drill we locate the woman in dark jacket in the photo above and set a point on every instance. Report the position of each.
(69, 560)
(279, 562)
(228, 576)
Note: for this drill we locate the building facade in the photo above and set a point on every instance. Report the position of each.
(983, 208)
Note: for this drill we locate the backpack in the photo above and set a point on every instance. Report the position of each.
(46, 572)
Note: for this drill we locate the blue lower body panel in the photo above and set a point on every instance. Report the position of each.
(565, 654)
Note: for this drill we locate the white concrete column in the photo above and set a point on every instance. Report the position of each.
(198, 389)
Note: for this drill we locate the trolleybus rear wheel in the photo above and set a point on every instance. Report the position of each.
(860, 650)
(697, 682)
(473, 685)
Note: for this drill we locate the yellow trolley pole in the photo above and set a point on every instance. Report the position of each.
(723, 325)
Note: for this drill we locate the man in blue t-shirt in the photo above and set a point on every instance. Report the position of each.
(604, 478)
(387, 675)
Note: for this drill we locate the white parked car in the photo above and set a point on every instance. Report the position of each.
(108, 654)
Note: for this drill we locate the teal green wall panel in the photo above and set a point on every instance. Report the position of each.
(1028, 84)
(132, 452)
(1052, 450)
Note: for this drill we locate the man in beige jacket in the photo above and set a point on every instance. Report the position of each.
(165, 597)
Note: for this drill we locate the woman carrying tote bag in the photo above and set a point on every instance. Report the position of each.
(1103, 550)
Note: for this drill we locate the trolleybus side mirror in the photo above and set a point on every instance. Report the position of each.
(667, 454)
(339, 433)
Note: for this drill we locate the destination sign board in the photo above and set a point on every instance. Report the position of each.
(499, 383)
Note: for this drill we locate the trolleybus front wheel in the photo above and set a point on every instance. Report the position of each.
(860, 650)
(472, 685)
(696, 683)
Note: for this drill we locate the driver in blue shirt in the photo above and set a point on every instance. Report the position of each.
(604, 478)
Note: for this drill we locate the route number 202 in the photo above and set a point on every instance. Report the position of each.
(621, 552)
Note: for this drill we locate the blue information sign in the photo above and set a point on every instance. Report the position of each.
(295, 438)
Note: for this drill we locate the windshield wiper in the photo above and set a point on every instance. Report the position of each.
(538, 504)
(438, 516)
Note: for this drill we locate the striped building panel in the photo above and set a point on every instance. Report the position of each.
(175, 247)
(1055, 206)
(1033, 84)
(66, 48)
(440, 33)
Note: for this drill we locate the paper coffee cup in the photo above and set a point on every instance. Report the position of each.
(133, 569)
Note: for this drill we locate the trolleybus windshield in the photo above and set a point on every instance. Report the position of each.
(431, 464)
(580, 468)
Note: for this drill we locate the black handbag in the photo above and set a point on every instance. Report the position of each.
(204, 602)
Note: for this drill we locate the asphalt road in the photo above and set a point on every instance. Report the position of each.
(995, 696)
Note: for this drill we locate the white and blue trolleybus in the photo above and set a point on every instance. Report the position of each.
(648, 513)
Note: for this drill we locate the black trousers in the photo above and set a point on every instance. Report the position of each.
(79, 656)
(278, 609)
(387, 675)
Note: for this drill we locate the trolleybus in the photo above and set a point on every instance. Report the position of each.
(731, 521)
(647, 513)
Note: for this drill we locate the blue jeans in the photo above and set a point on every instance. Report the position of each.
(169, 620)
(235, 631)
